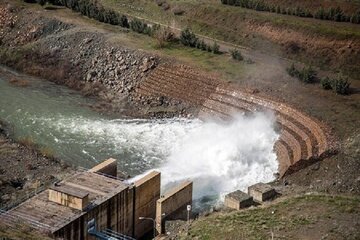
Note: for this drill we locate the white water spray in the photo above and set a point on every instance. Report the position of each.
(218, 156)
(223, 157)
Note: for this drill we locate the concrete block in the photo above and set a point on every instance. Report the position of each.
(238, 200)
(69, 197)
(261, 192)
(107, 167)
(173, 204)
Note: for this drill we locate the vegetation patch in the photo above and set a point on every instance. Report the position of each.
(281, 220)
(306, 75)
(189, 39)
(333, 14)
(236, 54)
(339, 85)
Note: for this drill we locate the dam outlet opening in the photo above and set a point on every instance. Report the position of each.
(219, 156)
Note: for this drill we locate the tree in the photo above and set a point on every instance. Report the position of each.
(236, 54)
(188, 38)
(216, 48)
(340, 85)
(326, 83)
(41, 2)
(308, 75)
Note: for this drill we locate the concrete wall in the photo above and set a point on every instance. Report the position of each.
(173, 204)
(115, 213)
(120, 212)
(147, 192)
(108, 167)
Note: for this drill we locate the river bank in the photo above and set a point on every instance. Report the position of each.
(25, 167)
(82, 58)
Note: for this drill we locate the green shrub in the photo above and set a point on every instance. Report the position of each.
(334, 14)
(138, 26)
(203, 45)
(340, 86)
(236, 54)
(306, 75)
(216, 48)
(41, 2)
(292, 71)
(91, 9)
(326, 83)
(188, 38)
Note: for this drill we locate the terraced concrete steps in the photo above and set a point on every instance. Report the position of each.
(301, 137)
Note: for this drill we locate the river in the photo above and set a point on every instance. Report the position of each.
(219, 156)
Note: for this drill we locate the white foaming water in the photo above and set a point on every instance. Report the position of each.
(218, 156)
(223, 157)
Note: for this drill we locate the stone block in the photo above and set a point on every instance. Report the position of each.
(261, 192)
(238, 200)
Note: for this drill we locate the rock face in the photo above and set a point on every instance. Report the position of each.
(118, 69)
(70, 54)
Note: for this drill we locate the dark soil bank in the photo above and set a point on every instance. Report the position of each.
(24, 168)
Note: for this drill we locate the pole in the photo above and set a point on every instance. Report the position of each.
(188, 208)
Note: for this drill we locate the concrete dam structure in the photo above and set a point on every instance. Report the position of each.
(303, 139)
(120, 209)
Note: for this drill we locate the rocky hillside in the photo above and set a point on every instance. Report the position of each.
(81, 58)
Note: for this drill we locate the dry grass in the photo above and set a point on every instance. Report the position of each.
(19, 82)
(47, 152)
(27, 142)
(305, 217)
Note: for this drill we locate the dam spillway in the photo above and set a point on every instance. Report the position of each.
(302, 138)
(218, 156)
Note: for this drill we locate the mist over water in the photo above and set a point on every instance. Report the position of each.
(219, 156)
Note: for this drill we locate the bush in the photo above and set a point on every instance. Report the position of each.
(216, 48)
(163, 36)
(326, 83)
(236, 54)
(188, 38)
(138, 26)
(160, 2)
(91, 9)
(306, 75)
(334, 14)
(340, 86)
(292, 71)
(41, 2)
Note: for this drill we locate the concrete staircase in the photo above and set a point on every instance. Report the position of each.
(303, 140)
